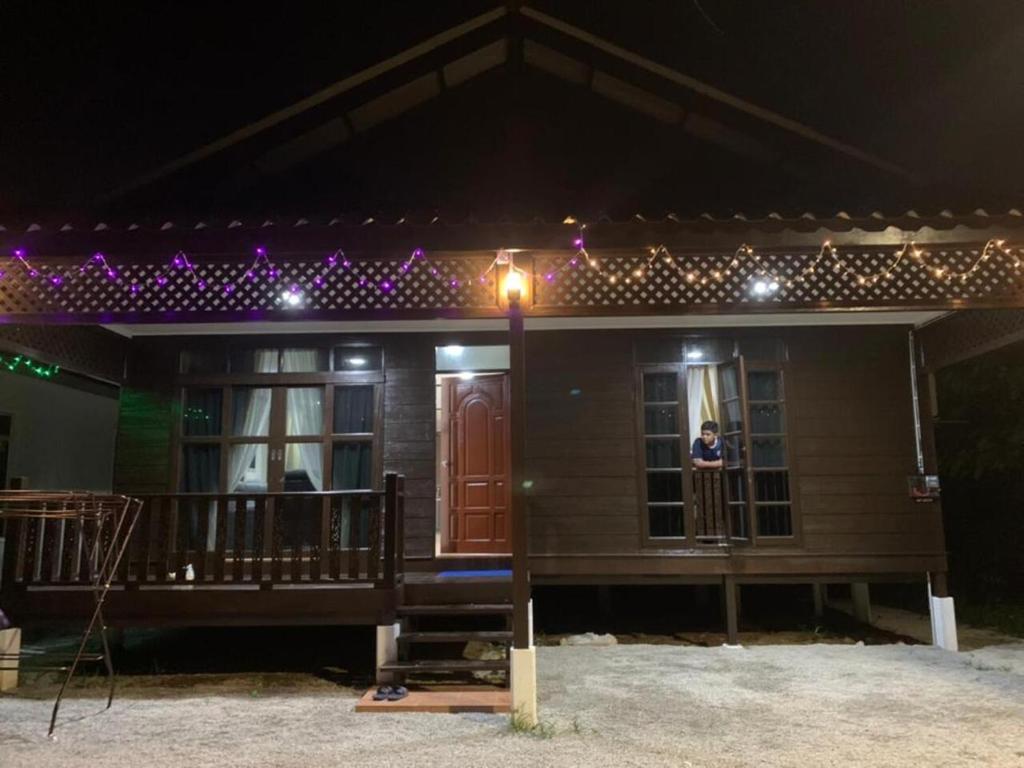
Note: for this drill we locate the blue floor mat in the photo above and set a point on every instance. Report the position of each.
(475, 574)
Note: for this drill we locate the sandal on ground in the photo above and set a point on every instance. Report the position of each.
(398, 693)
(383, 693)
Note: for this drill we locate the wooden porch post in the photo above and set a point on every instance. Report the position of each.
(523, 656)
(517, 423)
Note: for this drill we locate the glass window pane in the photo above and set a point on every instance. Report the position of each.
(664, 486)
(247, 468)
(737, 485)
(730, 388)
(303, 467)
(662, 454)
(766, 419)
(203, 361)
(254, 361)
(771, 486)
(305, 411)
(251, 411)
(660, 388)
(763, 385)
(666, 521)
(303, 360)
(200, 468)
(660, 420)
(733, 416)
(353, 409)
(358, 359)
(353, 466)
(202, 415)
(768, 452)
(765, 350)
(774, 521)
(733, 449)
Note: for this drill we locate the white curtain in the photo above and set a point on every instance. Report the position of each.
(305, 417)
(701, 396)
(255, 422)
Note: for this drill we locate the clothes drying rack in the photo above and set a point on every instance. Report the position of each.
(73, 538)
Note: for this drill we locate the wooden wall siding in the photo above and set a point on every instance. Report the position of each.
(851, 438)
(852, 443)
(580, 443)
(968, 333)
(85, 349)
(409, 433)
(142, 461)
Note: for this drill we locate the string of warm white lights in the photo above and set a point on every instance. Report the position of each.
(767, 280)
(745, 261)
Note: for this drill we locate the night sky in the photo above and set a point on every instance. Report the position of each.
(94, 95)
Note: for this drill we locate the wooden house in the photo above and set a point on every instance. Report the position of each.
(336, 420)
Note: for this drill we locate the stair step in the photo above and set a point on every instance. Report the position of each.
(460, 609)
(455, 637)
(447, 665)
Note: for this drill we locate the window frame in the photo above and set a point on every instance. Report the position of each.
(329, 381)
(744, 365)
(682, 416)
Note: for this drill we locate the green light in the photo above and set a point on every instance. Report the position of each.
(41, 370)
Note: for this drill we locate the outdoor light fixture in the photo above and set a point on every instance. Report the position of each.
(356, 361)
(762, 288)
(694, 354)
(454, 350)
(513, 284)
(292, 297)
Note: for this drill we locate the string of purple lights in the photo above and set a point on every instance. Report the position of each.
(260, 268)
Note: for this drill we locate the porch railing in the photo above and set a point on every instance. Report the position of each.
(231, 539)
(719, 515)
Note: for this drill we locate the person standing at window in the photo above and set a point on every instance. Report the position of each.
(707, 449)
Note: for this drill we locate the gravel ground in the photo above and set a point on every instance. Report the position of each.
(642, 705)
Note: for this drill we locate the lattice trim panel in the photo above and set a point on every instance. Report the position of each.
(227, 288)
(689, 280)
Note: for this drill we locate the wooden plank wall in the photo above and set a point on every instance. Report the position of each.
(849, 393)
(852, 439)
(580, 443)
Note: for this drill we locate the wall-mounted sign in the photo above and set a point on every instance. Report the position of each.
(924, 488)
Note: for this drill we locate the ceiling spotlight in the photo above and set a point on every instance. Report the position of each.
(356, 361)
(694, 354)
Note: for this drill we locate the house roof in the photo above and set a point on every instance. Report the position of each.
(518, 112)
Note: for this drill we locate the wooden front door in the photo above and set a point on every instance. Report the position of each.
(478, 463)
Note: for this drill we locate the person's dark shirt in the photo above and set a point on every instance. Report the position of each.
(702, 450)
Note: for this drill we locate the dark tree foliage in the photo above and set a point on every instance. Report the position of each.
(980, 441)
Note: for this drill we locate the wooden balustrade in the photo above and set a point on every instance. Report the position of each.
(256, 539)
(710, 506)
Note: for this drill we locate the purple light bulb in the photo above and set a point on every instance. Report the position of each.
(177, 261)
(433, 272)
(578, 242)
(57, 280)
(273, 274)
(229, 288)
(362, 281)
(134, 288)
(346, 263)
(250, 275)
(385, 286)
(33, 273)
(550, 277)
(161, 280)
(574, 262)
(202, 285)
(97, 257)
(418, 253)
(454, 283)
(19, 254)
(318, 280)
(261, 251)
(405, 267)
(111, 274)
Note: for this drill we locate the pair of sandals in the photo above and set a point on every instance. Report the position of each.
(391, 693)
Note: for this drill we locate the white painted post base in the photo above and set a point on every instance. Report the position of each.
(524, 685)
(943, 623)
(387, 650)
(861, 602)
(10, 647)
